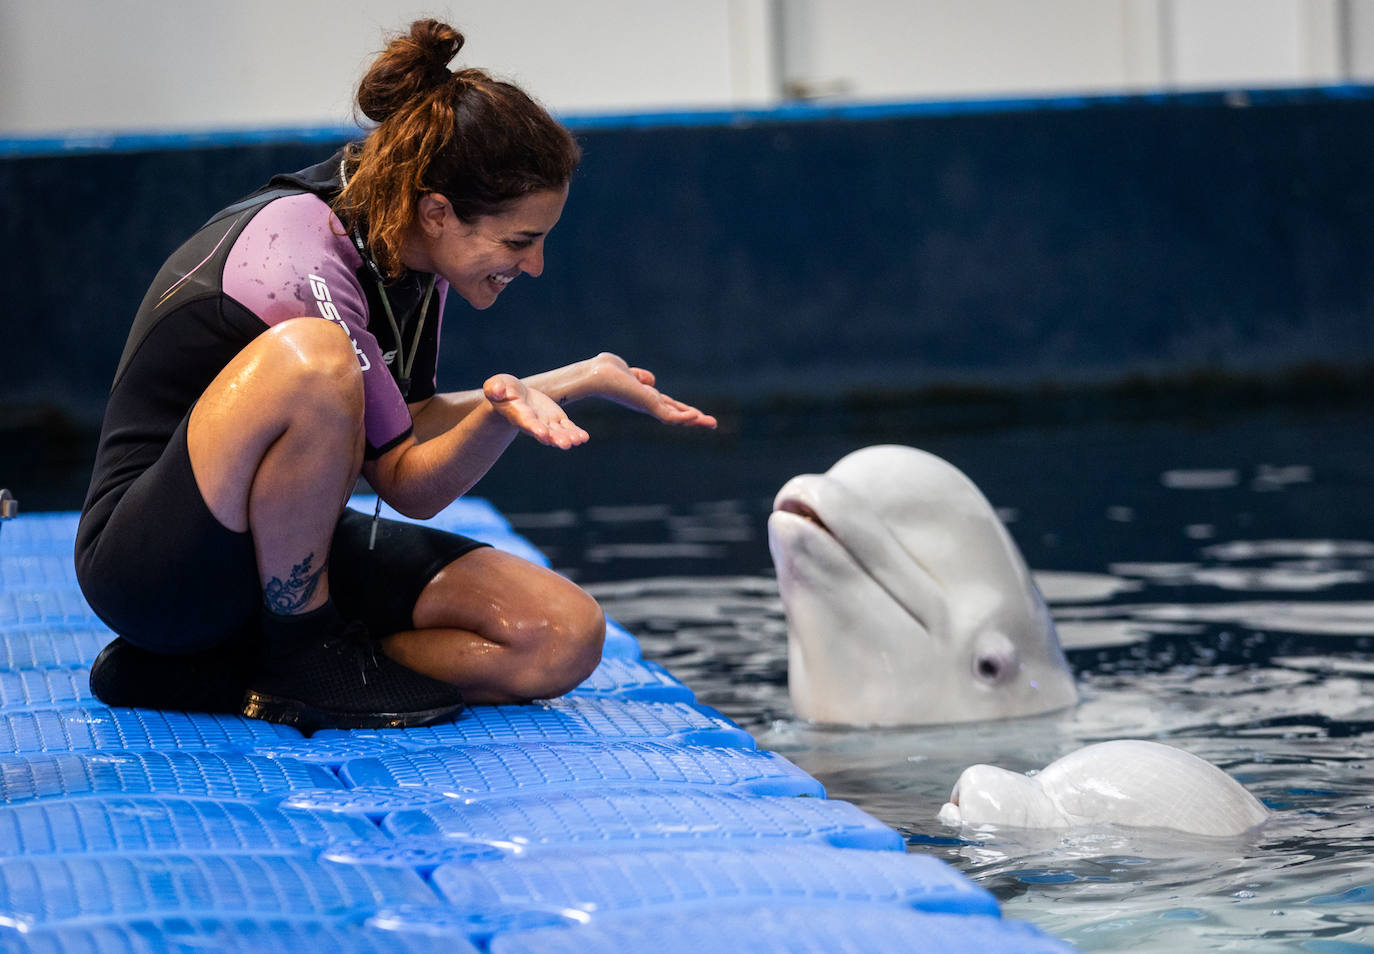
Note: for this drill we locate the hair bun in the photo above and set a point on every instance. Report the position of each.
(412, 65)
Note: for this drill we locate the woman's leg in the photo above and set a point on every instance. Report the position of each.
(276, 444)
(176, 571)
(502, 629)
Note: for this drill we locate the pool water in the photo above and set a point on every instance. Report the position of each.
(1213, 580)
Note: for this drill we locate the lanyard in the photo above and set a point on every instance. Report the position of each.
(403, 363)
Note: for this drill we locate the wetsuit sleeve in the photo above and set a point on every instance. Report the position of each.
(293, 260)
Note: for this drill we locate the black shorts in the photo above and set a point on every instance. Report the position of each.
(163, 573)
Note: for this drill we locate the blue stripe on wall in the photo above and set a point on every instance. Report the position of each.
(115, 141)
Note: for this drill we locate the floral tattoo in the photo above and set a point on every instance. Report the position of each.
(287, 597)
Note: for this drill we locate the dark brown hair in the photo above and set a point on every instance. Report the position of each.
(479, 142)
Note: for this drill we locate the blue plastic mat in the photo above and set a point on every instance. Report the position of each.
(131, 825)
(38, 646)
(229, 936)
(469, 773)
(624, 816)
(96, 728)
(26, 778)
(562, 822)
(592, 887)
(787, 929)
(569, 719)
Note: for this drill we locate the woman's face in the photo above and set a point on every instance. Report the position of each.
(481, 257)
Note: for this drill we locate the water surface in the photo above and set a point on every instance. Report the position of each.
(1213, 578)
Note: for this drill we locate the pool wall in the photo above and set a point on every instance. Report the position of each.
(809, 250)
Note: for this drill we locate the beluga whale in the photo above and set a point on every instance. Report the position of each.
(1129, 782)
(907, 602)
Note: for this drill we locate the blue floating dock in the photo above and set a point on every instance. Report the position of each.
(573, 718)
(127, 825)
(632, 816)
(624, 816)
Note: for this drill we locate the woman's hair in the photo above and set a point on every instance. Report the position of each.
(479, 142)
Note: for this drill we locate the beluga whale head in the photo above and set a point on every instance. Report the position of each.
(907, 601)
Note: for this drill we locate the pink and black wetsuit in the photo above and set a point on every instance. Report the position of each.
(152, 561)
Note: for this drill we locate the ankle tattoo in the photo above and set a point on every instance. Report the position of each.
(288, 596)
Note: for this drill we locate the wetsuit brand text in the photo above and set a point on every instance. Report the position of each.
(325, 302)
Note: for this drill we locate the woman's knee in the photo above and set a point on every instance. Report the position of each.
(549, 631)
(555, 648)
(298, 380)
(572, 645)
(316, 362)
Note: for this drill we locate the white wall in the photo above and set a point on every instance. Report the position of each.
(1256, 42)
(153, 64)
(138, 65)
(890, 49)
(959, 48)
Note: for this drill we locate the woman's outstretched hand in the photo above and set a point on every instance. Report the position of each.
(613, 379)
(532, 411)
(535, 405)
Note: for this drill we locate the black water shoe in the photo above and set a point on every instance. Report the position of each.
(345, 681)
(210, 681)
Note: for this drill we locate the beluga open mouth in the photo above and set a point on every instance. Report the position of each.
(793, 506)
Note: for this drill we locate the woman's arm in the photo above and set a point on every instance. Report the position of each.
(459, 435)
(605, 376)
(442, 412)
(421, 478)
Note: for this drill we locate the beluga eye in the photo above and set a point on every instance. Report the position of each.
(994, 659)
(990, 668)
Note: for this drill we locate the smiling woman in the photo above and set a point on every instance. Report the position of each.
(214, 539)
(480, 259)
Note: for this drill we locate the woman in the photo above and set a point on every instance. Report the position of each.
(214, 539)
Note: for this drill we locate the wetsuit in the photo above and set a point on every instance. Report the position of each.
(152, 560)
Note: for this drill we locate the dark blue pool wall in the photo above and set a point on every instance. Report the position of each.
(810, 251)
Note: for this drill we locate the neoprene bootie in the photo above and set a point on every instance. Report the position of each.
(210, 681)
(340, 680)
